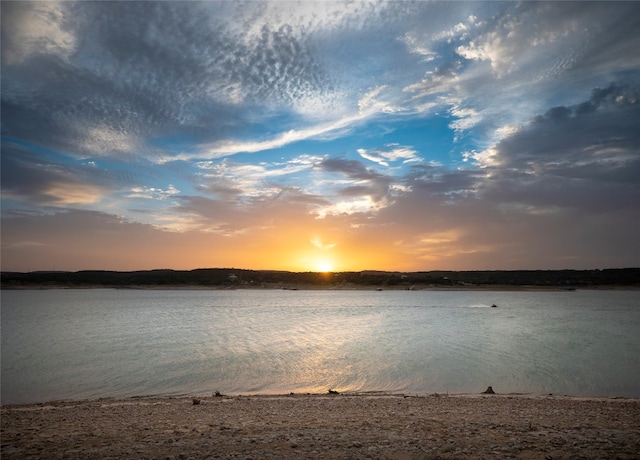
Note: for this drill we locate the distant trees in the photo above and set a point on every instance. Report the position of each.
(226, 277)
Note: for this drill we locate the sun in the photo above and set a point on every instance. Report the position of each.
(324, 266)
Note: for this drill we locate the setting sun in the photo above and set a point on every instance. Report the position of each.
(324, 266)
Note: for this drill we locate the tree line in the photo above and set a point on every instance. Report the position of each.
(232, 277)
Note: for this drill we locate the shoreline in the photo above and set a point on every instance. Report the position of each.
(500, 287)
(216, 396)
(349, 425)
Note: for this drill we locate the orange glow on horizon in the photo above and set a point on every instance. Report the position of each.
(342, 258)
(294, 251)
(299, 247)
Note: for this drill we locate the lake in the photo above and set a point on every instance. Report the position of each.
(94, 343)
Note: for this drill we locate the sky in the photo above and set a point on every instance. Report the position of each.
(320, 136)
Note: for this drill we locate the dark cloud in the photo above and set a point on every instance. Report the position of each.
(222, 187)
(357, 190)
(351, 168)
(587, 155)
(280, 67)
(24, 173)
(613, 35)
(583, 158)
(436, 180)
(375, 184)
(35, 180)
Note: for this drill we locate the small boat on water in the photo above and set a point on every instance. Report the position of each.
(494, 306)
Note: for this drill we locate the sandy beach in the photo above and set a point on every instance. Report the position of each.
(326, 426)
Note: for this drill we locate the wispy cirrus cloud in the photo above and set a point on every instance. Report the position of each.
(392, 153)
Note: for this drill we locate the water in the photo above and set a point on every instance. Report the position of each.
(77, 344)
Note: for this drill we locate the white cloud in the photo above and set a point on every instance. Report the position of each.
(372, 156)
(540, 38)
(231, 147)
(252, 180)
(371, 104)
(320, 244)
(152, 193)
(416, 46)
(484, 159)
(466, 118)
(392, 153)
(36, 28)
(363, 204)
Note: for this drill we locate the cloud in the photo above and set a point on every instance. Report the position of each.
(562, 34)
(320, 244)
(122, 85)
(30, 28)
(364, 191)
(580, 157)
(151, 193)
(229, 179)
(369, 106)
(193, 71)
(211, 70)
(228, 147)
(392, 153)
(374, 183)
(362, 203)
(36, 181)
(594, 140)
(598, 131)
(503, 68)
(444, 183)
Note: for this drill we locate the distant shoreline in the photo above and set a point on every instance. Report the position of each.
(45, 287)
(310, 287)
(231, 278)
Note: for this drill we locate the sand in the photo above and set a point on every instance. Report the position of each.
(376, 426)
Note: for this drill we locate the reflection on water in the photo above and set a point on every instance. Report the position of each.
(97, 343)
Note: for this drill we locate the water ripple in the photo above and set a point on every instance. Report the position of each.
(90, 343)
